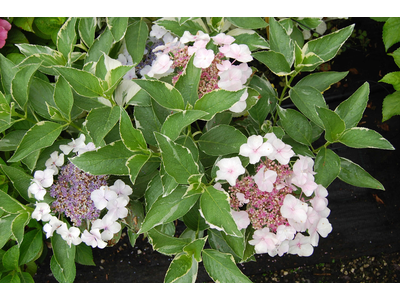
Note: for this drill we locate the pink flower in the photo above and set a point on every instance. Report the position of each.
(5, 26)
(223, 39)
(255, 148)
(265, 179)
(241, 218)
(161, 66)
(240, 52)
(229, 169)
(203, 58)
(230, 79)
(264, 241)
(319, 202)
(303, 175)
(301, 246)
(282, 152)
(294, 209)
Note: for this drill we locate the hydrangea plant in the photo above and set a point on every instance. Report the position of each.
(165, 128)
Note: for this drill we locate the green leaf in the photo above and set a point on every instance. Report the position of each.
(352, 109)
(222, 268)
(147, 122)
(280, 41)
(20, 180)
(135, 38)
(327, 167)
(18, 226)
(84, 83)
(167, 209)
(390, 33)
(10, 258)
(100, 121)
(176, 122)
(266, 103)
(166, 244)
(66, 38)
(131, 137)
(114, 77)
(217, 101)
(41, 135)
(178, 28)
(188, 82)
(178, 160)
(8, 71)
(195, 248)
(222, 140)
(63, 97)
(9, 204)
(275, 61)
(5, 229)
(322, 80)
(117, 26)
(227, 244)
(353, 174)
(84, 255)
(392, 78)
(24, 22)
(194, 220)
(306, 98)
(165, 94)
(41, 96)
(396, 56)
(62, 263)
(108, 160)
(87, 29)
(296, 125)
(31, 247)
(248, 22)
(42, 55)
(360, 137)
(135, 164)
(49, 25)
(21, 83)
(333, 124)
(215, 208)
(102, 45)
(327, 46)
(391, 106)
(249, 37)
(180, 268)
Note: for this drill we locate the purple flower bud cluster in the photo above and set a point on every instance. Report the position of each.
(263, 207)
(72, 192)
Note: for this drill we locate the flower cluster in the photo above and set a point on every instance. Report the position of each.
(282, 202)
(166, 54)
(80, 197)
(5, 27)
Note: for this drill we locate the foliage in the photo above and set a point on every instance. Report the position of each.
(390, 37)
(94, 89)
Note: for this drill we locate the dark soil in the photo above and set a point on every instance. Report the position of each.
(363, 246)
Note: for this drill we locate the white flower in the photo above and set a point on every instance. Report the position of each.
(102, 196)
(223, 39)
(229, 169)
(265, 179)
(42, 212)
(157, 31)
(161, 65)
(116, 208)
(284, 232)
(108, 225)
(74, 146)
(93, 238)
(242, 199)
(37, 190)
(52, 226)
(70, 235)
(301, 245)
(121, 189)
(55, 161)
(324, 227)
(255, 148)
(41, 180)
(282, 152)
(265, 241)
(241, 218)
(241, 105)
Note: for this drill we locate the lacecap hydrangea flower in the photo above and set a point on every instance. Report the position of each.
(79, 198)
(281, 201)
